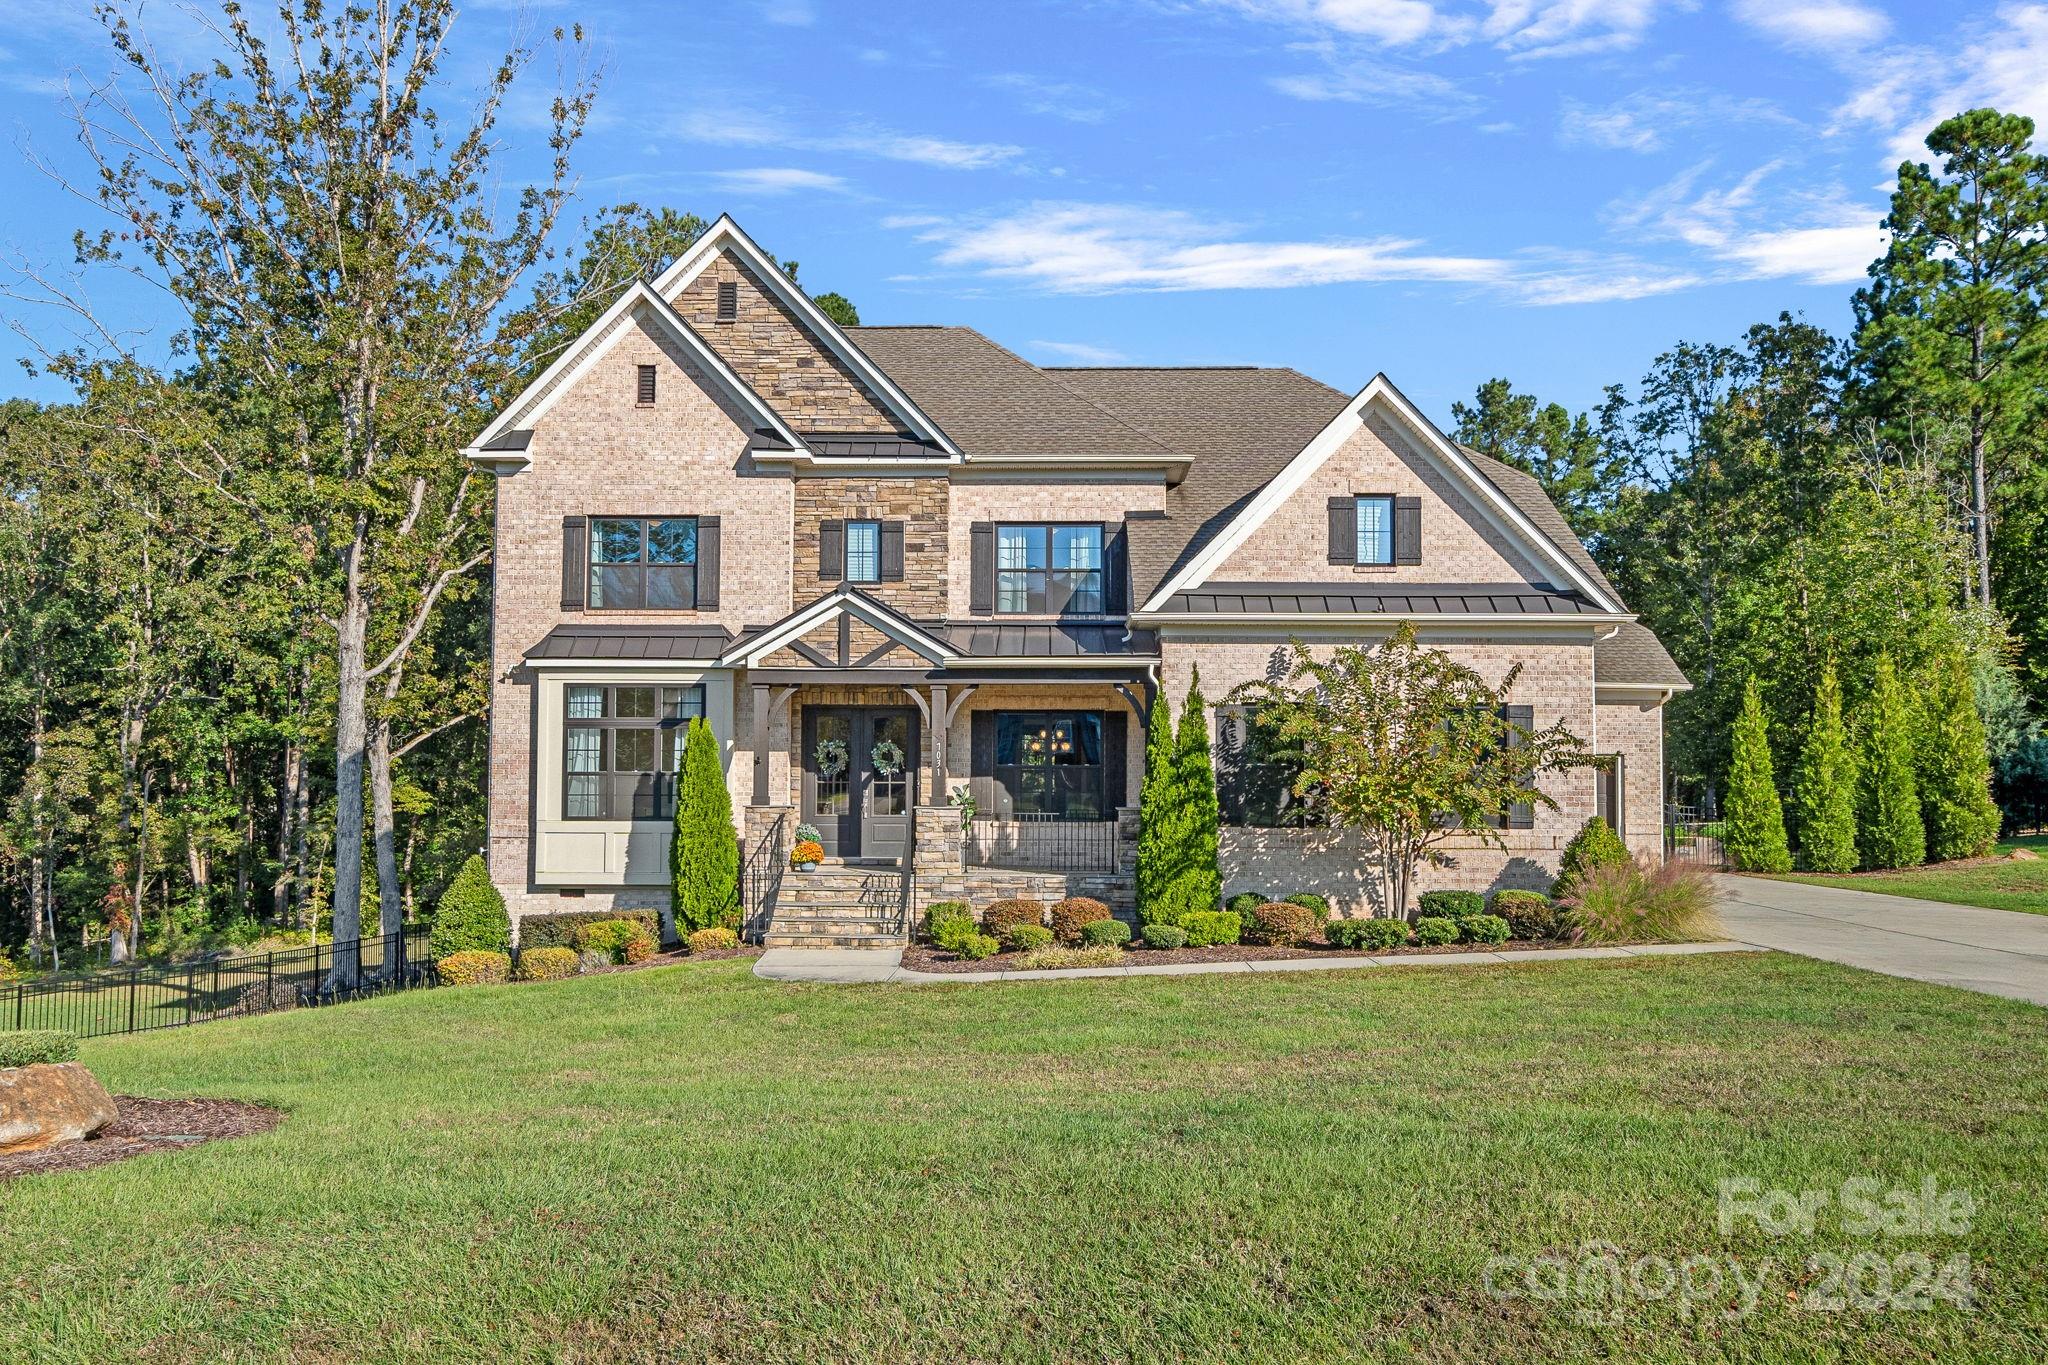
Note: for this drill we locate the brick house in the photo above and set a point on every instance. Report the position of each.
(891, 563)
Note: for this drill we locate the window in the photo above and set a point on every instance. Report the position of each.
(1050, 762)
(728, 302)
(1610, 793)
(643, 564)
(1049, 570)
(1255, 775)
(621, 746)
(863, 551)
(1375, 530)
(645, 389)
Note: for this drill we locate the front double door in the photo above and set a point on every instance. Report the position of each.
(860, 779)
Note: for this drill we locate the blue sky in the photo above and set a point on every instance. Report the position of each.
(1446, 190)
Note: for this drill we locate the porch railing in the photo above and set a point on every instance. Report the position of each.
(761, 878)
(1042, 843)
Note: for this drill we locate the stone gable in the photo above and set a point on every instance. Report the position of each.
(769, 347)
(919, 503)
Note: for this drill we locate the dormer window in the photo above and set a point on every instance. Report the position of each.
(1049, 570)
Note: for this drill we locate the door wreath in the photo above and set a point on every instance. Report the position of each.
(887, 756)
(830, 756)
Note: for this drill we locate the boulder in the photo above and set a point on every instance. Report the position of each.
(2023, 855)
(43, 1105)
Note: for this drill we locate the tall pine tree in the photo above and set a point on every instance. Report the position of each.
(1156, 816)
(1825, 789)
(1889, 831)
(1954, 768)
(1755, 837)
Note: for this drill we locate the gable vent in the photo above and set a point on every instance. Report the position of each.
(728, 302)
(646, 389)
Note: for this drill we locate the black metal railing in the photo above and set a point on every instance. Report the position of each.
(761, 878)
(145, 996)
(1042, 843)
(1694, 841)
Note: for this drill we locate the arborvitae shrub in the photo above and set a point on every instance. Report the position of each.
(1754, 838)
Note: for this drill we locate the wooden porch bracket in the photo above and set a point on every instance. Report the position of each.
(1142, 707)
(939, 713)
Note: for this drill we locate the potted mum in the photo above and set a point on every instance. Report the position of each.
(808, 852)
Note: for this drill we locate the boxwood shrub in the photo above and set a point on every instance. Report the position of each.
(1484, 929)
(1315, 905)
(1022, 938)
(1244, 902)
(1373, 935)
(627, 940)
(560, 931)
(545, 964)
(1097, 933)
(1208, 928)
(36, 1047)
(1280, 924)
(1165, 936)
(1431, 930)
(716, 939)
(1450, 904)
(1069, 915)
(470, 916)
(975, 947)
(474, 969)
(947, 919)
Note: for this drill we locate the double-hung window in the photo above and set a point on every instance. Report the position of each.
(643, 563)
(1375, 530)
(621, 746)
(863, 551)
(1049, 570)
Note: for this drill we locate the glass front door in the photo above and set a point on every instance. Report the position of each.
(860, 779)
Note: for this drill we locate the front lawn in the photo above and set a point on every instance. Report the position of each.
(1995, 883)
(693, 1164)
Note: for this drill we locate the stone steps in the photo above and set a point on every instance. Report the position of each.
(838, 906)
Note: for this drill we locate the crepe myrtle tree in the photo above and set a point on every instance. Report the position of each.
(1409, 747)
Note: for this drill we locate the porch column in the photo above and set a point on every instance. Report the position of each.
(937, 720)
(760, 744)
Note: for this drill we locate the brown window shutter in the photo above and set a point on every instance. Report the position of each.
(645, 391)
(1115, 725)
(728, 302)
(709, 534)
(832, 550)
(989, 798)
(1116, 565)
(575, 563)
(892, 552)
(981, 584)
(1522, 814)
(1343, 530)
(1407, 530)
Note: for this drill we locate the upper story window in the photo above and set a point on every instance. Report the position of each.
(1049, 570)
(1375, 530)
(863, 551)
(621, 747)
(643, 563)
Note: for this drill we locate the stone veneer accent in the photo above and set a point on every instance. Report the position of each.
(769, 347)
(919, 503)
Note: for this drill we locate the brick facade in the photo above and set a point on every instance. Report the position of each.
(919, 503)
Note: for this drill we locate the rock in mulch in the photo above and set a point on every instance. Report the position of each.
(142, 1126)
(46, 1104)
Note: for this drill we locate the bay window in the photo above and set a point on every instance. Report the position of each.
(621, 747)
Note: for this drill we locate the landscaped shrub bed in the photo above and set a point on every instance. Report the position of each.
(561, 930)
(36, 1047)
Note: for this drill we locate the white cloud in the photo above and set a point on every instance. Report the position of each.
(790, 13)
(778, 180)
(1058, 99)
(736, 128)
(1642, 121)
(2001, 63)
(1817, 238)
(1531, 29)
(1376, 83)
(1073, 248)
(1079, 352)
(1522, 28)
(1617, 127)
(1394, 23)
(1821, 25)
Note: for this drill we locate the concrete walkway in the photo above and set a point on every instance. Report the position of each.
(855, 965)
(1998, 952)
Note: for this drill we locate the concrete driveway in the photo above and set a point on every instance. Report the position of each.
(1998, 952)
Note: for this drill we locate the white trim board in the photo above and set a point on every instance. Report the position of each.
(1494, 505)
(844, 600)
(582, 355)
(725, 234)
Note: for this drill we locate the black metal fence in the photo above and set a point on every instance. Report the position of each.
(1694, 841)
(143, 997)
(1042, 843)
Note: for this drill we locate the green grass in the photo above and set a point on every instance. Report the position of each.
(1995, 885)
(692, 1164)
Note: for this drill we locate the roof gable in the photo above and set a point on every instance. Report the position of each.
(503, 442)
(726, 238)
(844, 602)
(1500, 511)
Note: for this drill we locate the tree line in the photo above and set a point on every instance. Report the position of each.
(1793, 504)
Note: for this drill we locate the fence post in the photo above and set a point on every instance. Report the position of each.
(270, 980)
(20, 1001)
(134, 983)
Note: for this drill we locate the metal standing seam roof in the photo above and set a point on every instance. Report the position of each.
(678, 644)
(1321, 599)
(867, 445)
(1049, 640)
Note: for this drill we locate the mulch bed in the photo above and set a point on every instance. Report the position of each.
(924, 958)
(145, 1126)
